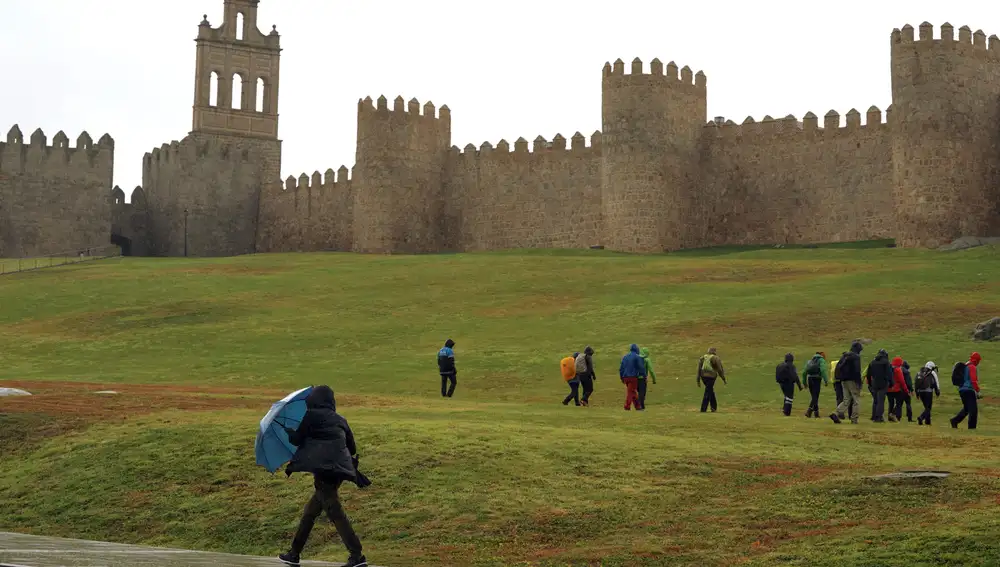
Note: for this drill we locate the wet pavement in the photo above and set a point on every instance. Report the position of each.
(18, 550)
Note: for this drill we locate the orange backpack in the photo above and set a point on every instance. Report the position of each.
(568, 368)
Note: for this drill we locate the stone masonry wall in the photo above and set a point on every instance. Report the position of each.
(308, 215)
(782, 181)
(55, 198)
(549, 197)
(946, 144)
(218, 180)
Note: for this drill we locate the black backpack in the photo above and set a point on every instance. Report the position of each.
(838, 374)
(958, 374)
(924, 380)
(813, 369)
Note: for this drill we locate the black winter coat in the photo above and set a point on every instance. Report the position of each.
(786, 373)
(324, 440)
(880, 373)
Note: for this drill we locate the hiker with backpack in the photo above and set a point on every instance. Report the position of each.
(585, 373)
(709, 369)
(446, 366)
(632, 367)
(787, 378)
(568, 368)
(908, 397)
(848, 372)
(897, 390)
(815, 376)
(644, 353)
(927, 387)
(965, 375)
(879, 377)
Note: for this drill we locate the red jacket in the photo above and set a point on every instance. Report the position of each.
(973, 367)
(898, 382)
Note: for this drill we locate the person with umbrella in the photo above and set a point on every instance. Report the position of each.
(325, 448)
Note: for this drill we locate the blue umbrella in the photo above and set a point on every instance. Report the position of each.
(272, 446)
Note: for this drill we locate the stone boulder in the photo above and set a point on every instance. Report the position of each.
(967, 242)
(987, 330)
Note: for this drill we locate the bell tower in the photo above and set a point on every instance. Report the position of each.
(236, 75)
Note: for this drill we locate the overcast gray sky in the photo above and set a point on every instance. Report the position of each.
(506, 69)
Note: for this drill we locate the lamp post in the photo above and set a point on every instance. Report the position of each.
(185, 232)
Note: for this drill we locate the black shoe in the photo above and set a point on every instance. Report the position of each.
(954, 425)
(290, 558)
(358, 561)
(920, 421)
(566, 403)
(835, 418)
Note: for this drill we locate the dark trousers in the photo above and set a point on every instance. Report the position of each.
(878, 404)
(789, 391)
(815, 385)
(641, 387)
(891, 398)
(325, 499)
(709, 397)
(838, 387)
(574, 394)
(970, 408)
(587, 383)
(448, 391)
(926, 398)
(908, 400)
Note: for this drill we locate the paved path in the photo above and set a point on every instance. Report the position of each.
(18, 550)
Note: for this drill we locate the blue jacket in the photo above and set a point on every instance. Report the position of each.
(632, 364)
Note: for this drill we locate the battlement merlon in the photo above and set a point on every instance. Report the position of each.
(428, 129)
(38, 156)
(539, 147)
(671, 75)
(366, 106)
(331, 180)
(968, 41)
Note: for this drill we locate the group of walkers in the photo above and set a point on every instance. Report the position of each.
(888, 380)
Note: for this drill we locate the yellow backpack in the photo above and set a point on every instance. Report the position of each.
(568, 368)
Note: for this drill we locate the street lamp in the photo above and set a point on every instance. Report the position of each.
(185, 232)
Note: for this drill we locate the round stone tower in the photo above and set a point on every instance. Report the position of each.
(945, 121)
(398, 183)
(651, 127)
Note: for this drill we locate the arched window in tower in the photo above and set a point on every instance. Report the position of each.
(240, 23)
(237, 91)
(261, 94)
(213, 89)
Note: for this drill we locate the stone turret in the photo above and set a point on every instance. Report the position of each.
(652, 126)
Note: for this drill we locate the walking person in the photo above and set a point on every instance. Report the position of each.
(632, 367)
(446, 366)
(897, 390)
(326, 448)
(709, 369)
(879, 377)
(968, 390)
(787, 377)
(644, 353)
(815, 376)
(585, 373)
(927, 386)
(908, 397)
(568, 368)
(849, 372)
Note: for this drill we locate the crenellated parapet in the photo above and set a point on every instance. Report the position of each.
(329, 181)
(576, 146)
(37, 157)
(668, 76)
(807, 128)
(973, 43)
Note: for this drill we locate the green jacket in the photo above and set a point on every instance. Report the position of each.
(644, 353)
(824, 371)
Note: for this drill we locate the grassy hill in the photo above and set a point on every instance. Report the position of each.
(502, 474)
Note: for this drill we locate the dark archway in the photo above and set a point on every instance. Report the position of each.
(124, 243)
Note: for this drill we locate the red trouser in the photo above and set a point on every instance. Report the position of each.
(631, 392)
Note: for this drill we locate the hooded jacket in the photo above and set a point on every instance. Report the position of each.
(971, 383)
(710, 366)
(907, 377)
(879, 373)
(644, 353)
(632, 365)
(821, 361)
(898, 380)
(786, 373)
(446, 359)
(324, 439)
(849, 367)
(588, 357)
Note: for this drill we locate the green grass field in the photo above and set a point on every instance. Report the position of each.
(502, 474)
